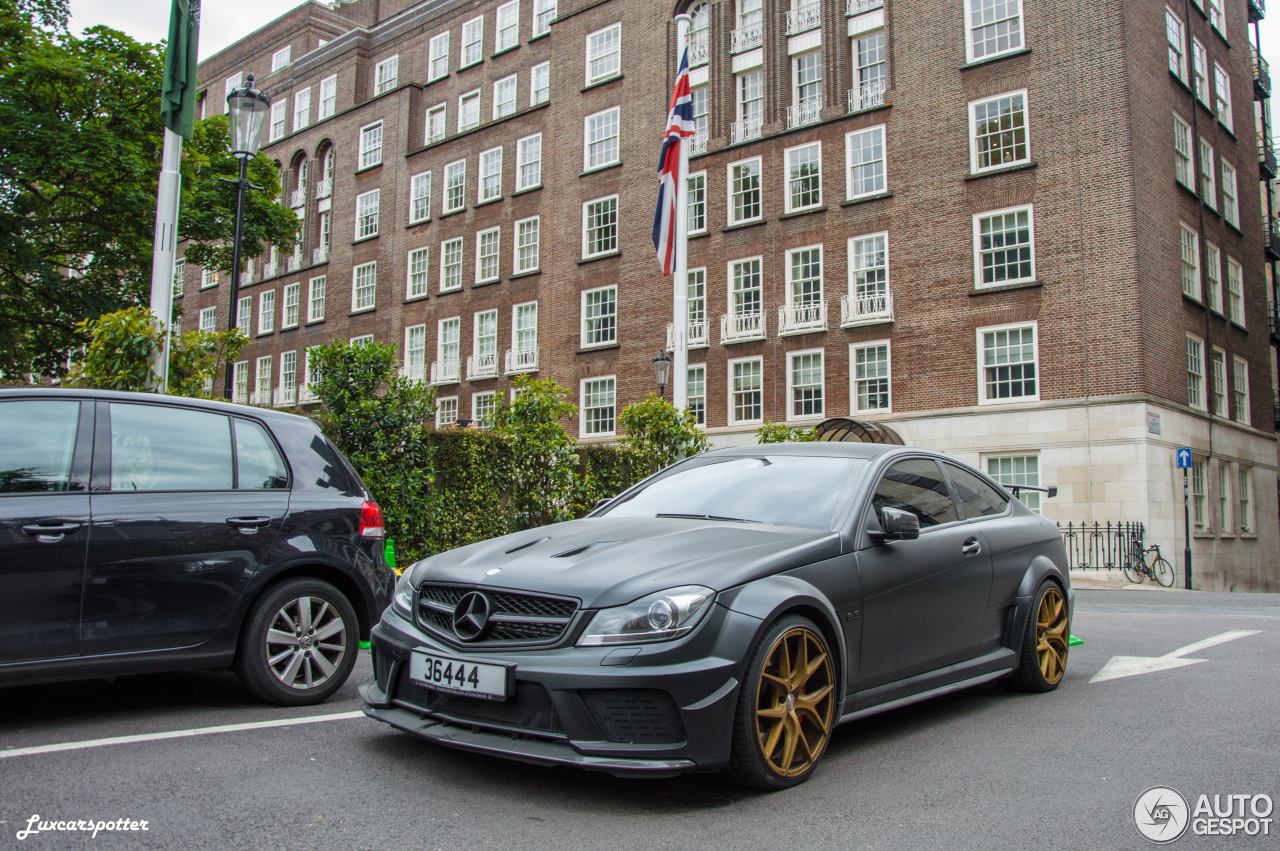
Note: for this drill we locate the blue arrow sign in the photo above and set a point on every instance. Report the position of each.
(1184, 458)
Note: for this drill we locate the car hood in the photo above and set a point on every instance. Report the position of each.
(609, 562)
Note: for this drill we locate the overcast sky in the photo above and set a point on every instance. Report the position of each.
(223, 21)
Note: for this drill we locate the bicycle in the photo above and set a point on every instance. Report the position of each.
(1136, 569)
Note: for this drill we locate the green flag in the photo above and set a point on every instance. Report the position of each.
(178, 97)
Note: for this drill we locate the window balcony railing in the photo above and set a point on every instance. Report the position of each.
(246, 277)
(746, 38)
(741, 327)
(414, 372)
(1257, 10)
(482, 366)
(804, 18)
(1275, 323)
(746, 130)
(268, 270)
(286, 397)
(1261, 74)
(261, 396)
(805, 112)
(857, 7)
(696, 331)
(867, 96)
(866, 309)
(698, 144)
(324, 188)
(293, 262)
(699, 53)
(802, 318)
(320, 254)
(240, 397)
(445, 372)
(306, 396)
(521, 360)
(1271, 239)
(298, 197)
(1267, 157)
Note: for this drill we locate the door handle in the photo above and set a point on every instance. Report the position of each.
(248, 522)
(971, 547)
(50, 533)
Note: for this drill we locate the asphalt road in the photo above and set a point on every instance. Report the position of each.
(978, 769)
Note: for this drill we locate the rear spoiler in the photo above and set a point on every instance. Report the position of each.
(1051, 490)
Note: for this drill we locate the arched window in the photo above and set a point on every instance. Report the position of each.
(324, 182)
(298, 180)
(701, 22)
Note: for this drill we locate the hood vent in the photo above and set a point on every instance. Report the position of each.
(580, 550)
(525, 545)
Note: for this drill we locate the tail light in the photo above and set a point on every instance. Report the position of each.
(371, 525)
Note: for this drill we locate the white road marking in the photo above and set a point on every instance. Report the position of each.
(178, 734)
(1128, 666)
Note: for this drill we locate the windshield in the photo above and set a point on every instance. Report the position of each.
(786, 490)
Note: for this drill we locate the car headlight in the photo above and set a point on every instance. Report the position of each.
(402, 602)
(658, 617)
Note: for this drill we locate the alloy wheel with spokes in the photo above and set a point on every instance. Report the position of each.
(306, 642)
(1051, 635)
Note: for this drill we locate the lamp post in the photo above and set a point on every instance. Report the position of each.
(661, 372)
(248, 109)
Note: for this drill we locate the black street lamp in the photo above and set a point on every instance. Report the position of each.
(248, 110)
(662, 371)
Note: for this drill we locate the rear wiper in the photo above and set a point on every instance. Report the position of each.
(707, 517)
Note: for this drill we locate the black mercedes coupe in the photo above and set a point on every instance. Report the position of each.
(727, 613)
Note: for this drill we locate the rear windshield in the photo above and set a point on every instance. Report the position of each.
(785, 490)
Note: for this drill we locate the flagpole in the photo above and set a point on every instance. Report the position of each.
(680, 273)
(165, 247)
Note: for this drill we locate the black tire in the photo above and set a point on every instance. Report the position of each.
(748, 764)
(1029, 675)
(311, 683)
(1163, 571)
(1132, 574)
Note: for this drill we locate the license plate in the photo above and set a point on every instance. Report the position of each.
(460, 676)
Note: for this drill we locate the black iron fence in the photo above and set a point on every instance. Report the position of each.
(1100, 546)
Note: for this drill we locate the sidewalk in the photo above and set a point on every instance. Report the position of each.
(1111, 580)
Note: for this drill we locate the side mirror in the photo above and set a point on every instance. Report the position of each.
(898, 525)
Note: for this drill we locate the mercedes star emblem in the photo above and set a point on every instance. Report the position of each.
(471, 616)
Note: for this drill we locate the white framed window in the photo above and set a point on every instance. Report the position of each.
(528, 245)
(179, 276)
(1195, 372)
(750, 13)
(805, 384)
(806, 87)
(746, 293)
(1222, 96)
(504, 97)
(544, 12)
(386, 75)
(484, 339)
(281, 58)
(604, 54)
(1218, 382)
(488, 251)
(301, 109)
(1014, 470)
(371, 145)
(869, 277)
(455, 186)
(469, 110)
(1183, 170)
(209, 320)
(1176, 35)
(600, 134)
(529, 162)
(540, 83)
(871, 377)
(599, 405)
(437, 123)
(865, 163)
(367, 208)
(489, 186)
(745, 195)
(209, 278)
(311, 368)
(696, 306)
(1200, 72)
(696, 393)
(472, 42)
(1208, 172)
(420, 197)
(1218, 16)
(804, 283)
(1189, 242)
(746, 391)
(1004, 247)
(315, 298)
(231, 83)
(599, 317)
(290, 311)
(1245, 494)
(507, 24)
(288, 378)
(994, 27)
(749, 91)
(1213, 275)
(415, 352)
(240, 385)
(1230, 195)
(244, 315)
(600, 227)
(265, 375)
(449, 344)
(871, 71)
(364, 287)
(483, 406)
(328, 97)
(438, 57)
(446, 411)
(1199, 494)
(451, 265)
(804, 177)
(1235, 291)
(416, 283)
(524, 334)
(998, 133)
(1008, 363)
(697, 197)
(278, 110)
(267, 312)
(701, 116)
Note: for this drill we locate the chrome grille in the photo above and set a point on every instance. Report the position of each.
(515, 617)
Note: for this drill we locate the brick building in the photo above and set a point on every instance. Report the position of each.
(1025, 232)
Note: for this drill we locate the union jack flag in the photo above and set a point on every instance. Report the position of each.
(680, 126)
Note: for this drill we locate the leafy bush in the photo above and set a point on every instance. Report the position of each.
(545, 457)
(782, 433)
(659, 434)
(604, 472)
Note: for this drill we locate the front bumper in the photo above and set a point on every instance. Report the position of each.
(643, 710)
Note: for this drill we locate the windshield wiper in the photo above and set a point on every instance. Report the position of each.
(707, 517)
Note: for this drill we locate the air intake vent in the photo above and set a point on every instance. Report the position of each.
(525, 545)
(580, 550)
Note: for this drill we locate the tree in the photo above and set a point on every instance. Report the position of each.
(545, 457)
(80, 140)
(659, 434)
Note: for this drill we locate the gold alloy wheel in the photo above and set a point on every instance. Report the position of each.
(795, 702)
(1051, 635)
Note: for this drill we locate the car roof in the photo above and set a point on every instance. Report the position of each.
(150, 398)
(818, 449)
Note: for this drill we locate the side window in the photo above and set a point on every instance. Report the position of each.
(917, 486)
(977, 498)
(156, 448)
(37, 441)
(258, 462)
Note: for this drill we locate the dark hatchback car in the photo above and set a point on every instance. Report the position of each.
(728, 612)
(144, 533)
